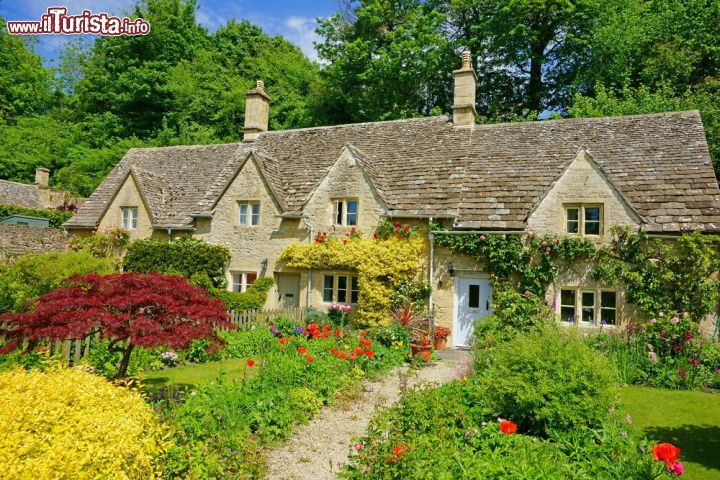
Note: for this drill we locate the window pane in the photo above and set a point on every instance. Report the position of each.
(236, 282)
(607, 299)
(338, 213)
(242, 219)
(592, 221)
(608, 309)
(354, 291)
(255, 214)
(592, 213)
(133, 217)
(567, 305)
(124, 222)
(573, 222)
(351, 213)
(474, 296)
(250, 278)
(328, 288)
(342, 289)
(588, 307)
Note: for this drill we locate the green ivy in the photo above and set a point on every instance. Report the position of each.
(57, 218)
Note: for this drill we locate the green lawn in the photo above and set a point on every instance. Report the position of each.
(201, 374)
(688, 419)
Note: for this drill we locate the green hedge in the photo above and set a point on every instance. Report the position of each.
(253, 297)
(185, 256)
(56, 217)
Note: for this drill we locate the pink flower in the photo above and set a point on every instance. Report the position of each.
(554, 241)
(547, 250)
(358, 446)
(653, 320)
(677, 468)
(527, 293)
(675, 319)
(612, 253)
(482, 238)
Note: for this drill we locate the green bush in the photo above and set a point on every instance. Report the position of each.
(183, 256)
(30, 276)
(252, 298)
(57, 218)
(547, 380)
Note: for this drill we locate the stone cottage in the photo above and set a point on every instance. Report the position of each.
(576, 177)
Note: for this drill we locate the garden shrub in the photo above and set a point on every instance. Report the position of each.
(107, 244)
(438, 433)
(184, 256)
(70, 423)
(252, 298)
(32, 275)
(56, 217)
(547, 380)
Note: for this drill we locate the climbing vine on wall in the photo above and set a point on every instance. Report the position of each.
(381, 264)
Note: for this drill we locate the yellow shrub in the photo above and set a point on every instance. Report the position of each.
(381, 265)
(68, 423)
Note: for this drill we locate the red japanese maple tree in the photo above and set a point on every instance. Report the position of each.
(129, 309)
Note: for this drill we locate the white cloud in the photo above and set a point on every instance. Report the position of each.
(301, 32)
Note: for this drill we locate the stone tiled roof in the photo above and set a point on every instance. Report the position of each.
(487, 177)
(20, 194)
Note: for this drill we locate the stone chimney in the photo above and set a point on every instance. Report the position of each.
(257, 112)
(464, 93)
(42, 177)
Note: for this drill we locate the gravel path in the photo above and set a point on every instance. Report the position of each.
(317, 450)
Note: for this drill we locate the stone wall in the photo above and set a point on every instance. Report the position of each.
(18, 239)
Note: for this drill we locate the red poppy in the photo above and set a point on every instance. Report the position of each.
(399, 236)
(282, 340)
(343, 355)
(251, 363)
(375, 235)
(309, 359)
(359, 350)
(338, 333)
(326, 327)
(334, 351)
(507, 427)
(397, 228)
(352, 356)
(302, 350)
(362, 334)
(407, 227)
(369, 353)
(666, 452)
(399, 451)
(313, 326)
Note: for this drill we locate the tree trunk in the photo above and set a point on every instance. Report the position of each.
(125, 361)
(535, 87)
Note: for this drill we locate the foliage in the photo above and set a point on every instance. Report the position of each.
(440, 433)
(381, 266)
(183, 256)
(57, 218)
(663, 278)
(129, 309)
(32, 275)
(108, 244)
(545, 380)
(252, 298)
(222, 426)
(411, 292)
(95, 429)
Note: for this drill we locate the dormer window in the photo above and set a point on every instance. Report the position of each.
(248, 213)
(583, 219)
(345, 212)
(129, 218)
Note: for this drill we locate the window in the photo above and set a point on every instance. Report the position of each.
(474, 296)
(567, 306)
(249, 213)
(583, 220)
(338, 288)
(242, 280)
(129, 216)
(608, 308)
(596, 307)
(345, 212)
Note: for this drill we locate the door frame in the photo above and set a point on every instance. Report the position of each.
(456, 303)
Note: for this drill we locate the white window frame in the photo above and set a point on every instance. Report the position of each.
(578, 305)
(239, 282)
(351, 287)
(129, 218)
(340, 212)
(250, 217)
(581, 220)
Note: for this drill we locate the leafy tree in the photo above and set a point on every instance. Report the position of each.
(24, 81)
(129, 309)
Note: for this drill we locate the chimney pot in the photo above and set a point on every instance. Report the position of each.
(257, 112)
(42, 177)
(464, 92)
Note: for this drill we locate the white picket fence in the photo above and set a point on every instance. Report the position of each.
(79, 349)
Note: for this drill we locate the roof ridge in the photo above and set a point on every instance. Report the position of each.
(434, 118)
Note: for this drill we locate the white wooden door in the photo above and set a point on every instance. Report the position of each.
(473, 300)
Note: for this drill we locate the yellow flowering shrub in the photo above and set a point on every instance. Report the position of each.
(380, 264)
(68, 423)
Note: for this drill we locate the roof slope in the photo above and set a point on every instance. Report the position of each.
(488, 177)
(20, 194)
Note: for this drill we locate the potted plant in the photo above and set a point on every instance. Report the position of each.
(441, 336)
(421, 347)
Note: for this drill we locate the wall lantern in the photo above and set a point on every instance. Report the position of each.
(451, 269)
(264, 264)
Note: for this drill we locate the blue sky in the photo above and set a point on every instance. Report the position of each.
(295, 20)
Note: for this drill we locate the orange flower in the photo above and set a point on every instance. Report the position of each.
(507, 427)
(369, 353)
(251, 363)
(302, 350)
(666, 452)
(338, 333)
(326, 327)
(309, 359)
(334, 351)
(343, 355)
(399, 451)
(358, 350)
(282, 340)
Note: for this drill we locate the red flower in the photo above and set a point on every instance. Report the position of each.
(309, 359)
(375, 235)
(666, 452)
(407, 227)
(334, 351)
(352, 230)
(344, 242)
(397, 228)
(302, 350)
(507, 427)
(369, 353)
(358, 350)
(313, 326)
(282, 340)
(251, 363)
(338, 333)
(399, 236)
(326, 327)
(343, 355)
(362, 334)
(399, 451)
